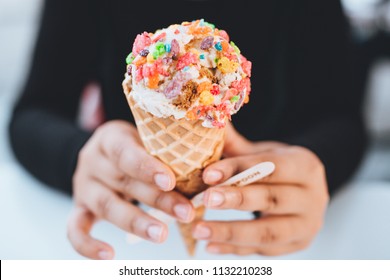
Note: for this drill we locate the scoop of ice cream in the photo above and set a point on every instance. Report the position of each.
(189, 70)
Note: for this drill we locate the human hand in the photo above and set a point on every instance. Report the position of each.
(112, 168)
(292, 201)
(238, 145)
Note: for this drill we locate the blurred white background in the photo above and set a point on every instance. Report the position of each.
(33, 217)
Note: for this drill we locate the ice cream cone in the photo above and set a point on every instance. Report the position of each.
(183, 83)
(185, 146)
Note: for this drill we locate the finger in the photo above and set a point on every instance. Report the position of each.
(132, 158)
(222, 170)
(79, 226)
(267, 198)
(265, 231)
(294, 165)
(104, 171)
(277, 250)
(108, 205)
(172, 203)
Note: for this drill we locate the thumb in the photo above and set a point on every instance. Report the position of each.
(235, 143)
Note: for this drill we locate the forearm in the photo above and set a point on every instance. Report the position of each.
(47, 145)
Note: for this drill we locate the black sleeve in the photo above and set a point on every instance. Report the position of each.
(328, 118)
(43, 130)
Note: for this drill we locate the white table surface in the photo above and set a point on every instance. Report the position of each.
(33, 225)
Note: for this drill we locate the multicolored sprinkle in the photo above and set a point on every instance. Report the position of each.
(192, 69)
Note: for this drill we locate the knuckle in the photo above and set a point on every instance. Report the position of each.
(133, 225)
(104, 205)
(299, 149)
(318, 168)
(146, 166)
(124, 184)
(141, 166)
(314, 164)
(237, 198)
(118, 153)
(267, 236)
(272, 200)
(228, 234)
(159, 200)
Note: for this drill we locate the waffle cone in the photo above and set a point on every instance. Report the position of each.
(186, 230)
(187, 148)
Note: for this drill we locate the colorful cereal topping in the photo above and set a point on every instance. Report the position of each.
(192, 69)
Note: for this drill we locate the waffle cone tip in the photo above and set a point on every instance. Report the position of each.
(186, 231)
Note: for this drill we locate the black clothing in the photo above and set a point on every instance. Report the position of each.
(301, 76)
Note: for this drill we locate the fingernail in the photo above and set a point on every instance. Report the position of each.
(163, 181)
(213, 176)
(105, 255)
(202, 232)
(213, 249)
(182, 211)
(215, 199)
(155, 232)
